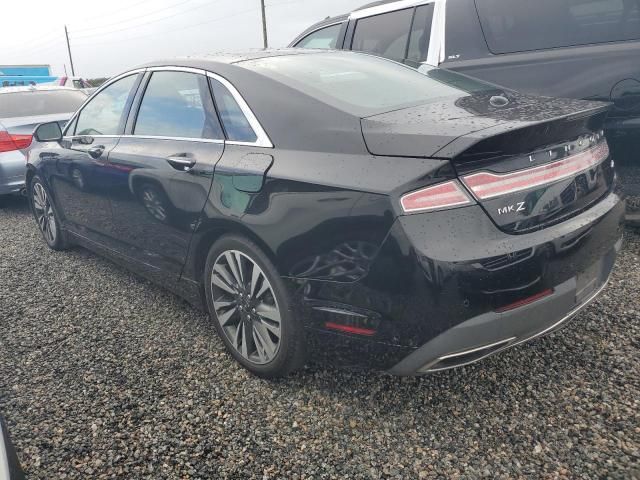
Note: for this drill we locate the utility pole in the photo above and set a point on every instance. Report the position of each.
(66, 34)
(264, 25)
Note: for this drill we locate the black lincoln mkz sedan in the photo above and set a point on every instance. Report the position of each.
(339, 204)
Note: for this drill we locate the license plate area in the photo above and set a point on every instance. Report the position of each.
(588, 282)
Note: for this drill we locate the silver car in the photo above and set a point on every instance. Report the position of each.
(22, 109)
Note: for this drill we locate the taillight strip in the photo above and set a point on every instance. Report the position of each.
(441, 196)
(11, 142)
(485, 185)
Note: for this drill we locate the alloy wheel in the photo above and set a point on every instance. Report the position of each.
(246, 307)
(44, 213)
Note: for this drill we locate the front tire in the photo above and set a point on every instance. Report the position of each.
(251, 310)
(46, 216)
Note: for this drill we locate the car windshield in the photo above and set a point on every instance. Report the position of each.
(43, 102)
(359, 84)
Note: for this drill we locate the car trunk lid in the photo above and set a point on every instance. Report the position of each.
(529, 161)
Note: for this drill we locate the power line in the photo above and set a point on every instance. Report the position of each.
(41, 41)
(36, 49)
(112, 12)
(143, 24)
(147, 14)
(108, 42)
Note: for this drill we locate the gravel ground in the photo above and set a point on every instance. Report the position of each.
(103, 375)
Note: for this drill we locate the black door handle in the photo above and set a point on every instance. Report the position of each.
(96, 152)
(180, 162)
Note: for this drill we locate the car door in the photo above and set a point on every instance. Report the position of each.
(166, 159)
(81, 175)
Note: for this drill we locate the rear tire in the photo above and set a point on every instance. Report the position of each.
(251, 309)
(46, 216)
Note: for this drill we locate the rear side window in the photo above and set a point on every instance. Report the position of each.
(385, 35)
(235, 123)
(177, 104)
(324, 38)
(21, 104)
(103, 115)
(420, 35)
(523, 25)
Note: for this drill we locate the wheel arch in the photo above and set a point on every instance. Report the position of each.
(31, 172)
(201, 247)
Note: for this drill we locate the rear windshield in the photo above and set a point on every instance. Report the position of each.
(523, 25)
(32, 103)
(359, 84)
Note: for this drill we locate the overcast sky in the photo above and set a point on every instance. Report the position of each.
(109, 36)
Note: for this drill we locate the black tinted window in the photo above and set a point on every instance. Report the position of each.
(23, 104)
(103, 115)
(385, 35)
(235, 122)
(420, 34)
(324, 38)
(176, 104)
(522, 25)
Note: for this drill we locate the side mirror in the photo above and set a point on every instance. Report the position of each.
(48, 132)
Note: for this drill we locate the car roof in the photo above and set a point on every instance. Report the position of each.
(374, 4)
(34, 88)
(210, 61)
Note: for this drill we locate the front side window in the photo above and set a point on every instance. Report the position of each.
(522, 25)
(104, 114)
(324, 38)
(385, 35)
(235, 122)
(177, 104)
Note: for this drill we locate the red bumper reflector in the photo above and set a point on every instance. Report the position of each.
(525, 301)
(367, 332)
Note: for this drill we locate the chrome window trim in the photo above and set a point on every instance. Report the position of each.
(71, 137)
(389, 7)
(100, 88)
(179, 139)
(198, 71)
(262, 137)
(297, 41)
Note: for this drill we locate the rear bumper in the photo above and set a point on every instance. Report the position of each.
(439, 280)
(13, 168)
(493, 332)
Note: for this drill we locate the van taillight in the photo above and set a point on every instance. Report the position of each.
(438, 197)
(9, 142)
